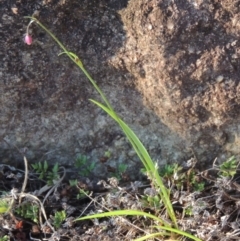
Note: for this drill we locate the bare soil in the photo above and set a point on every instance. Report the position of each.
(169, 68)
(209, 212)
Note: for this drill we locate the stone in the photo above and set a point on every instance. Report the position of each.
(169, 68)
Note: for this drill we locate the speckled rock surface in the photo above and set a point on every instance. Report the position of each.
(185, 59)
(171, 70)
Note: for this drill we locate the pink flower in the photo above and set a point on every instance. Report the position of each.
(28, 39)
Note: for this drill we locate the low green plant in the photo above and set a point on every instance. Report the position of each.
(41, 169)
(5, 238)
(199, 187)
(29, 211)
(85, 167)
(169, 170)
(44, 172)
(107, 154)
(169, 228)
(121, 168)
(53, 175)
(173, 174)
(151, 201)
(188, 211)
(4, 206)
(229, 167)
(82, 193)
(59, 218)
(194, 182)
(73, 183)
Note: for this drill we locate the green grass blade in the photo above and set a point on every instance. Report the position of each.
(166, 226)
(141, 151)
(74, 58)
(124, 213)
(145, 158)
(152, 235)
(182, 233)
(136, 143)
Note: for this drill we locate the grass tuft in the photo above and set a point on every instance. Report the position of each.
(169, 227)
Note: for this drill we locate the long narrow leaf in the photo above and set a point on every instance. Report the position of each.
(152, 235)
(179, 232)
(140, 213)
(124, 213)
(145, 158)
(137, 145)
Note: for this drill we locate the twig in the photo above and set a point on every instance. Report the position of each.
(25, 178)
(92, 200)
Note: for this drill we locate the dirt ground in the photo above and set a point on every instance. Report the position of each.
(205, 204)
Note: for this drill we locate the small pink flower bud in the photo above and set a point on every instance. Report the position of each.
(28, 39)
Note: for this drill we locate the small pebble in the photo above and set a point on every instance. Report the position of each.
(219, 78)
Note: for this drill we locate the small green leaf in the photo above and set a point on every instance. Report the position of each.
(45, 167)
(4, 206)
(229, 167)
(34, 166)
(4, 238)
(59, 217)
(55, 168)
(29, 211)
(107, 154)
(73, 182)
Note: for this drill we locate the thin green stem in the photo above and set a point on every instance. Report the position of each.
(75, 59)
(137, 145)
